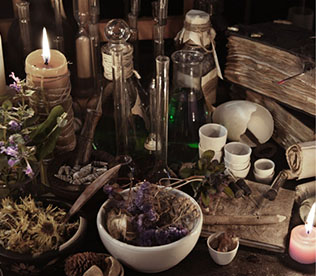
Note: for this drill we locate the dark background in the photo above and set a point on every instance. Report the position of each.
(234, 11)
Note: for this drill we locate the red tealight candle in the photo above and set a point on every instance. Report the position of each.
(302, 246)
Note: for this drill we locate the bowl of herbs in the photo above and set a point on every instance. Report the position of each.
(149, 228)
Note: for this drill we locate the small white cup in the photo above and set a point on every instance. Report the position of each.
(212, 136)
(237, 152)
(221, 258)
(217, 154)
(264, 167)
(240, 173)
(236, 166)
(263, 179)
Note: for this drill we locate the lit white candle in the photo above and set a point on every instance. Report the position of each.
(2, 72)
(302, 246)
(46, 68)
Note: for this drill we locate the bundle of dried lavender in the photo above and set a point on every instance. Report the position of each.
(152, 215)
(28, 227)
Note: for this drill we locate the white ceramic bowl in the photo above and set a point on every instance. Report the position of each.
(236, 166)
(217, 154)
(213, 136)
(221, 258)
(264, 167)
(263, 179)
(154, 258)
(240, 173)
(237, 152)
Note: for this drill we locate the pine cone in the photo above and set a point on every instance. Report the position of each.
(77, 264)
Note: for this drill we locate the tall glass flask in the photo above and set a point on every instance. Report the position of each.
(161, 169)
(187, 108)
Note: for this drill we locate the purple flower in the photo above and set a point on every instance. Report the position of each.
(28, 170)
(12, 162)
(14, 125)
(11, 150)
(16, 82)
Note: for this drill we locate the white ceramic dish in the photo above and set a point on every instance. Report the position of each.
(237, 152)
(150, 259)
(221, 258)
(264, 167)
(240, 173)
(236, 166)
(213, 136)
(263, 179)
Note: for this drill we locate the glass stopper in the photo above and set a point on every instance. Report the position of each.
(117, 30)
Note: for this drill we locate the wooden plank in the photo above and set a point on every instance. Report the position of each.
(270, 237)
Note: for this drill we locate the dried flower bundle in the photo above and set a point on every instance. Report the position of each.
(28, 227)
(151, 215)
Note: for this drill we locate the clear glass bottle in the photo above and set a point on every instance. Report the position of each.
(197, 34)
(117, 33)
(187, 108)
(161, 169)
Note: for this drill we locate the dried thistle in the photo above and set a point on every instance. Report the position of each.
(29, 227)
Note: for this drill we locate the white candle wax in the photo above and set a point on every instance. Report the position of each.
(302, 246)
(53, 75)
(2, 72)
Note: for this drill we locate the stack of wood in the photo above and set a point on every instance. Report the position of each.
(276, 60)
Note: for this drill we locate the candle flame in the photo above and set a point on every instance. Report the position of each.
(310, 219)
(45, 47)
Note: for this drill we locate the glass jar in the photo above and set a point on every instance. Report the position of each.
(187, 108)
(197, 34)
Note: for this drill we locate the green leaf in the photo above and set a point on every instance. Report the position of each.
(228, 191)
(48, 146)
(185, 172)
(208, 155)
(7, 104)
(205, 199)
(40, 134)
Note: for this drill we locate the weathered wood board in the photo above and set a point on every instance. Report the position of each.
(271, 237)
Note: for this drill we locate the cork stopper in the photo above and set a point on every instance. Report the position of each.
(197, 17)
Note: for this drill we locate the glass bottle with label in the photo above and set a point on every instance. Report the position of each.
(187, 108)
(197, 34)
(117, 33)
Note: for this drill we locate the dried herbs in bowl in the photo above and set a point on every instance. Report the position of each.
(149, 228)
(33, 233)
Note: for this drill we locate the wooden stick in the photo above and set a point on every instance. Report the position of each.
(242, 220)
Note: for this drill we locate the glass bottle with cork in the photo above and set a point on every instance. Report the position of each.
(197, 34)
(117, 33)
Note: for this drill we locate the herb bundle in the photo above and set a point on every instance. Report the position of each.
(151, 215)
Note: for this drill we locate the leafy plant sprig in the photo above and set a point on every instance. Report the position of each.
(214, 180)
(24, 139)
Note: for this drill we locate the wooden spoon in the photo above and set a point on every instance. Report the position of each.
(96, 185)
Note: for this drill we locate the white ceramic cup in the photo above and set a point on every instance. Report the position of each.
(240, 173)
(237, 166)
(221, 258)
(212, 136)
(217, 154)
(263, 179)
(237, 152)
(264, 167)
